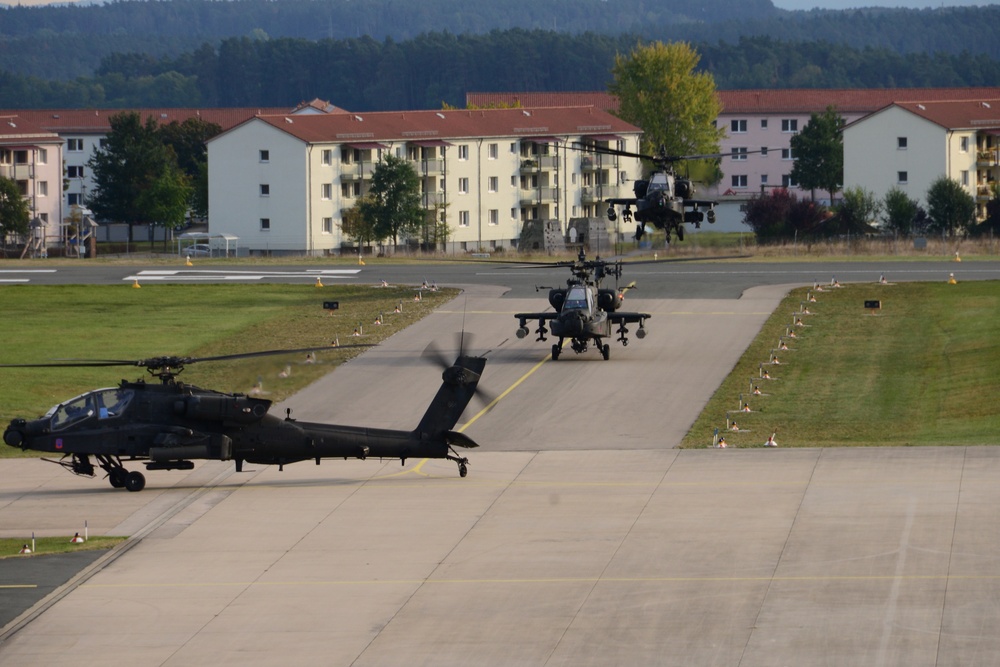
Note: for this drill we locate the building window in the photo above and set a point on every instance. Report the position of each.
(43, 154)
(739, 180)
(74, 172)
(787, 182)
(74, 199)
(738, 126)
(43, 186)
(265, 190)
(265, 156)
(963, 144)
(74, 145)
(965, 177)
(493, 151)
(789, 125)
(786, 154)
(463, 152)
(265, 224)
(763, 179)
(494, 217)
(463, 218)
(327, 191)
(901, 177)
(327, 157)
(102, 142)
(463, 186)
(763, 151)
(493, 183)
(763, 123)
(328, 225)
(739, 153)
(901, 143)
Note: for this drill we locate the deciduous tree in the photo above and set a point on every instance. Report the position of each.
(393, 203)
(950, 207)
(819, 153)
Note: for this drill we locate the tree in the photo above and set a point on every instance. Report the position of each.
(14, 211)
(950, 207)
(132, 159)
(819, 153)
(356, 227)
(658, 90)
(856, 212)
(167, 198)
(188, 142)
(767, 215)
(900, 212)
(393, 203)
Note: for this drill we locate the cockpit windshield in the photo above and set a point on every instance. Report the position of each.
(104, 403)
(576, 298)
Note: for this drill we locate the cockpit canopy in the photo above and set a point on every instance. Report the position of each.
(578, 297)
(104, 403)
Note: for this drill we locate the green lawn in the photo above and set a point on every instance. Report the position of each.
(11, 547)
(923, 370)
(46, 323)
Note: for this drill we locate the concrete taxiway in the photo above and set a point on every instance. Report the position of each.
(581, 536)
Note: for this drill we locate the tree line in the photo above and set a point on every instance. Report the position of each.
(363, 74)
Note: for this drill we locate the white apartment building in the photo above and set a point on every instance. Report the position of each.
(909, 145)
(32, 157)
(282, 183)
(82, 131)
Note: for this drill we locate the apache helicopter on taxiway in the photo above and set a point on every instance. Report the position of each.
(167, 424)
(583, 311)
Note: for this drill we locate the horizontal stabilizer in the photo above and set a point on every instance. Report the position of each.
(456, 439)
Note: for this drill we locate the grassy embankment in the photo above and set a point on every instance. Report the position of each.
(45, 323)
(923, 370)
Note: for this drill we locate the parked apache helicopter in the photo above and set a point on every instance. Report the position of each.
(167, 424)
(583, 310)
(664, 198)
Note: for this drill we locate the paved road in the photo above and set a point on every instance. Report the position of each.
(581, 536)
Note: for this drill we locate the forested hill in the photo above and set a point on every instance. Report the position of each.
(422, 73)
(406, 54)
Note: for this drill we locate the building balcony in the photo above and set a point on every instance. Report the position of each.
(988, 158)
(430, 199)
(17, 172)
(539, 195)
(425, 167)
(539, 163)
(356, 171)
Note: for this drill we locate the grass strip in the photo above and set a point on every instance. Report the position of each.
(924, 369)
(11, 546)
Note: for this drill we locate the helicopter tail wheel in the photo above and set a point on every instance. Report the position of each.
(606, 351)
(135, 481)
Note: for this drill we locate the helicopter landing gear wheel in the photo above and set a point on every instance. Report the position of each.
(135, 481)
(117, 477)
(606, 351)
(556, 349)
(463, 470)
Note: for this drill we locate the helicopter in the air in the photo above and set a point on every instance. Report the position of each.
(167, 424)
(583, 311)
(665, 200)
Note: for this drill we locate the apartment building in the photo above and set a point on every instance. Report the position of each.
(82, 131)
(759, 125)
(31, 156)
(909, 145)
(283, 183)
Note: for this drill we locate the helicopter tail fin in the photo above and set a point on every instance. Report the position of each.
(459, 383)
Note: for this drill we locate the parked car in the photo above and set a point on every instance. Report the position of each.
(198, 250)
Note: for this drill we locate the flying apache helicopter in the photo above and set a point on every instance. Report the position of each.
(664, 200)
(583, 310)
(165, 425)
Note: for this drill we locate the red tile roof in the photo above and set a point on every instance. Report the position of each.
(415, 126)
(979, 114)
(14, 127)
(97, 121)
(791, 100)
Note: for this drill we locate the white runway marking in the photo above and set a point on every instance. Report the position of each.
(189, 275)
